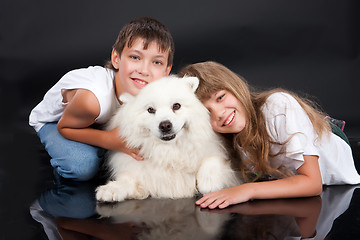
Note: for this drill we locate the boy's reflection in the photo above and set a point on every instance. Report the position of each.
(68, 211)
(70, 199)
(81, 229)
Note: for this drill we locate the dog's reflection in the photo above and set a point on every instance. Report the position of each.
(167, 218)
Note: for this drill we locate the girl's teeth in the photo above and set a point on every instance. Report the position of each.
(230, 119)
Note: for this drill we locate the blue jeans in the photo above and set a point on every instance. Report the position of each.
(70, 159)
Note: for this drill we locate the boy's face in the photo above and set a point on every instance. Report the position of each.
(138, 66)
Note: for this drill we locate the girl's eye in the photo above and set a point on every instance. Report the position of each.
(134, 57)
(221, 97)
(158, 63)
(151, 110)
(176, 106)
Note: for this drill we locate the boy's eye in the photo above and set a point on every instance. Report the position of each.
(158, 63)
(134, 57)
(151, 110)
(176, 106)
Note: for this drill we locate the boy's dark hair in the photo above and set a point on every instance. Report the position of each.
(150, 30)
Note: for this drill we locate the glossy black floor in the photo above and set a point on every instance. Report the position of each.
(26, 178)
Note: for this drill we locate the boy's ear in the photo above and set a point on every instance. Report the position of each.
(168, 70)
(193, 82)
(126, 97)
(115, 59)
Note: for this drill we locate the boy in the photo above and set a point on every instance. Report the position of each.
(66, 119)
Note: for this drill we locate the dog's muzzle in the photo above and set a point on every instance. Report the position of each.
(166, 129)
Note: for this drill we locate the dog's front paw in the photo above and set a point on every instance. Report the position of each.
(208, 184)
(209, 181)
(215, 174)
(111, 192)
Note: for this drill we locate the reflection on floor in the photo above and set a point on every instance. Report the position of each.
(70, 209)
(33, 207)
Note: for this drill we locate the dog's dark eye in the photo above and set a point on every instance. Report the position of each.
(151, 110)
(176, 106)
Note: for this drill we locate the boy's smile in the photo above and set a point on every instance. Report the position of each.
(138, 66)
(139, 82)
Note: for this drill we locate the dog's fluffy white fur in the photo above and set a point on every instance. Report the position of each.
(183, 156)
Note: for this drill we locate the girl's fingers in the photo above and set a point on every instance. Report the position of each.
(204, 202)
(201, 200)
(216, 203)
(198, 202)
(224, 204)
(211, 202)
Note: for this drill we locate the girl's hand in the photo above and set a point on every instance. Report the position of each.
(119, 144)
(306, 183)
(225, 197)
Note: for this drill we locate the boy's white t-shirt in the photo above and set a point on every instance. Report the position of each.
(288, 123)
(98, 80)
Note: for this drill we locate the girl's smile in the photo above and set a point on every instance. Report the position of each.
(230, 119)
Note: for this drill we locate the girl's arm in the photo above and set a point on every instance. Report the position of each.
(306, 183)
(80, 113)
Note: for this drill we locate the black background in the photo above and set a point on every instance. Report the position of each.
(308, 46)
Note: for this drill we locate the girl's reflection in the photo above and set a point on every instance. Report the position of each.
(278, 218)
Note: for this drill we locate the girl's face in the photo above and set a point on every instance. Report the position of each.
(227, 114)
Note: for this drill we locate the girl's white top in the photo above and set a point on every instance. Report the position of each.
(287, 122)
(98, 80)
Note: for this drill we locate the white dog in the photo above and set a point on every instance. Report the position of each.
(182, 154)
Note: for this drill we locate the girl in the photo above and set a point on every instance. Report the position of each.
(279, 136)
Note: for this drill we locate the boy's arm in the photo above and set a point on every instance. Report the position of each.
(80, 113)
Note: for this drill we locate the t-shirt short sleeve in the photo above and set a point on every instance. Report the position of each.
(288, 124)
(96, 79)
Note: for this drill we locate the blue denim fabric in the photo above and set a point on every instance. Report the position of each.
(70, 159)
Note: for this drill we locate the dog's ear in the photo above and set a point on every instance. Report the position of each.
(126, 97)
(193, 82)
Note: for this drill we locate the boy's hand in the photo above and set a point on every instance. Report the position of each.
(119, 144)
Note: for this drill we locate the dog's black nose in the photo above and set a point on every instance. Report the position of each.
(165, 126)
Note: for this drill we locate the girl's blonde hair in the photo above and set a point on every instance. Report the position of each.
(254, 139)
